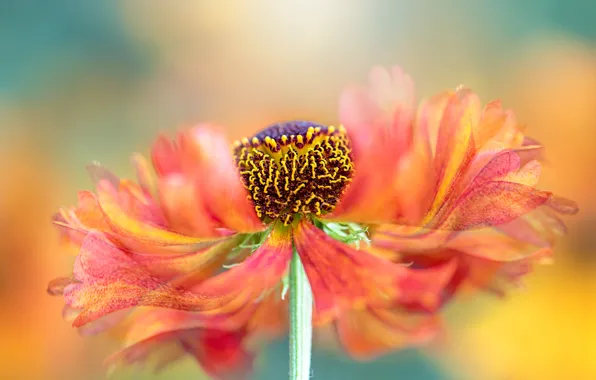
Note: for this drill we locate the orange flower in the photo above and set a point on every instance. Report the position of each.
(162, 242)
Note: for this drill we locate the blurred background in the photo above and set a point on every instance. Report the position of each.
(83, 81)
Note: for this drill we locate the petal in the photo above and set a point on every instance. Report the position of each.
(193, 267)
(144, 173)
(455, 145)
(101, 325)
(400, 238)
(413, 182)
(542, 226)
(563, 205)
(502, 189)
(76, 222)
(138, 203)
(99, 173)
(89, 213)
(491, 245)
(262, 271)
(220, 353)
(270, 318)
(493, 203)
(379, 124)
(505, 165)
(165, 156)
(493, 120)
(56, 286)
(366, 334)
(342, 277)
(139, 232)
(108, 280)
(430, 114)
(207, 154)
(184, 209)
(496, 276)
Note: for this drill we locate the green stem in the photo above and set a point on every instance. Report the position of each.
(301, 302)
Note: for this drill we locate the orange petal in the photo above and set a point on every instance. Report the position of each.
(76, 222)
(379, 123)
(262, 271)
(185, 211)
(138, 203)
(430, 114)
(342, 277)
(493, 120)
(144, 173)
(194, 267)
(366, 334)
(413, 182)
(207, 154)
(480, 273)
(404, 238)
(108, 279)
(490, 244)
(89, 213)
(455, 145)
(138, 231)
(270, 317)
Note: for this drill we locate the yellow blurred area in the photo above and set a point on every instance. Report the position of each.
(107, 78)
(544, 332)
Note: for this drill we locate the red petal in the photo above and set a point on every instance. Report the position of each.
(342, 277)
(220, 353)
(492, 204)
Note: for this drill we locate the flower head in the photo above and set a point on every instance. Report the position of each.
(390, 214)
(295, 168)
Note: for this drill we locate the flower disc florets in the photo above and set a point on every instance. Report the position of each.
(296, 167)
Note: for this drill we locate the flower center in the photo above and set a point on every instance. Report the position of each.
(296, 167)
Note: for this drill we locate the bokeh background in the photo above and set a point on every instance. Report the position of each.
(95, 80)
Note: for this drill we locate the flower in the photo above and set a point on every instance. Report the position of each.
(373, 207)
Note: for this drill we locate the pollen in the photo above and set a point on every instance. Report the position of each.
(295, 168)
